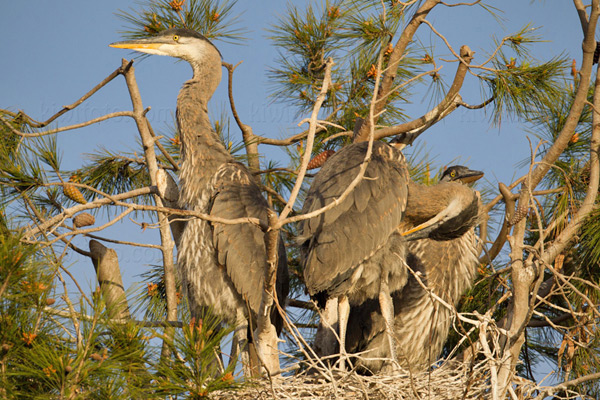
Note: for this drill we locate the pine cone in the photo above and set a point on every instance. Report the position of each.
(83, 219)
(520, 213)
(73, 193)
(320, 159)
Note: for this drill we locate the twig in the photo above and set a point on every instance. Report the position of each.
(71, 314)
(461, 4)
(449, 103)
(88, 230)
(301, 304)
(250, 141)
(395, 57)
(123, 242)
(67, 213)
(309, 144)
(549, 391)
(167, 242)
(161, 147)
(117, 321)
(65, 128)
(70, 107)
(297, 137)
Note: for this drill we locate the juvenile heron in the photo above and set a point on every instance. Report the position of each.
(221, 266)
(446, 262)
(352, 252)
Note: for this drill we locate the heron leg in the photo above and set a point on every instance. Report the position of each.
(326, 343)
(239, 345)
(343, 313)
(387, 311)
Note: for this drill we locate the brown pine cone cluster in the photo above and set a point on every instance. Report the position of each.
(320, 159)
(73, 193)
(83, 219)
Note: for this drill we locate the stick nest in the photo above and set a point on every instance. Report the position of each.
(447, 382)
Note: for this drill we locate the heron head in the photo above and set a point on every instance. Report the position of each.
(453, 207)
(187, 45)
(460, 173)
(181, 43)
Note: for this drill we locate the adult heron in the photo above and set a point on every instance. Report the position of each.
(445, 262)
(353, 252)
(221, 265)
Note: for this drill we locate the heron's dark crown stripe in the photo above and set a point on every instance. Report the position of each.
(186, 32)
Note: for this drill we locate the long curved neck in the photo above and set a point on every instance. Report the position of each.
(461, 259)
(195, 130)
(202, 151)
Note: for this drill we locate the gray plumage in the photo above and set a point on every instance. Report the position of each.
(447, 267)
(221, 266)
(357, 232)
(352, 252)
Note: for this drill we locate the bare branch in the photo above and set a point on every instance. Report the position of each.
(587, 205)
(524, 272)
(461, 4)
(65, 109)
(296, 138)
(250, 141)
(67, 213)
(449, 103)
(162, 148)
(167, 242)
(88, 230)
(544, 392)
(583, 16)
(534, 323)
(509, 201)
(387, 82)
(301, 304)
(266, 335)
(477, 106)
(117, 321)
(566, 133)
(123, 242)
(309, 144)
(65, 128)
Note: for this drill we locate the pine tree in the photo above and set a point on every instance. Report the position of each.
(537, 292)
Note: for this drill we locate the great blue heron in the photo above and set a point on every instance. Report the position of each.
(221, 266)
(446, 265)
(353, 252)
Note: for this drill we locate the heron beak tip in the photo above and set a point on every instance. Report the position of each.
(134, 46)
(472, 178)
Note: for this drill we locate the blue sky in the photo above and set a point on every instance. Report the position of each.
(54, 52)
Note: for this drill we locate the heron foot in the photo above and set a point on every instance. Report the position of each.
(391, 368)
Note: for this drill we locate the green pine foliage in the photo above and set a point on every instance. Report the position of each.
(353, 34)
(54, 343)
(214, 19)
(86, 355)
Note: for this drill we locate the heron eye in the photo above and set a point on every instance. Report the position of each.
(453, 174)
(175, 37)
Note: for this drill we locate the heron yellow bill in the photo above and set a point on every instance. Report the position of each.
(135, 46)
(475, 175)
(433, 221)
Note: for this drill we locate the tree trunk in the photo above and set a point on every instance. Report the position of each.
(106, 264)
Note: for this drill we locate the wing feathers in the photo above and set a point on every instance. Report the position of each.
(241, 247)
(336, 241)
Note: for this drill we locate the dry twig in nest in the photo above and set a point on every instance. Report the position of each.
(450, 381)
